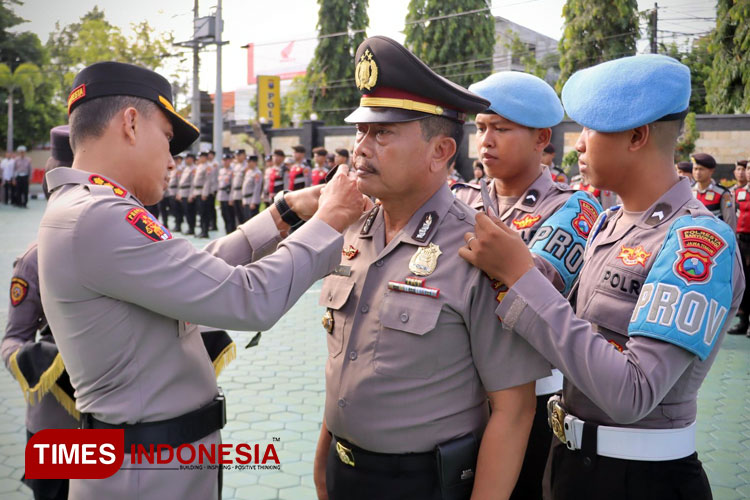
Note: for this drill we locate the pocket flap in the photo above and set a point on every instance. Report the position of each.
(335, 292)
(410, 313)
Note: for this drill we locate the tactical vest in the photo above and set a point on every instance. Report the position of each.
(742, 198)
(712, 200)
(296, 177)
(275, 181)
(318, 175)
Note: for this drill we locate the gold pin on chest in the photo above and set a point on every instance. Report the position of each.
(424, 260)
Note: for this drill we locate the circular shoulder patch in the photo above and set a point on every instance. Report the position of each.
(19, 288)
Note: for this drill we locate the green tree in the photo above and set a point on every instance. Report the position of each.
(25, 78)
(341, 25)
(94, 39)
(686, 143)
(698, 59)
(545, 68)
(728, 85)
(459, 47)
(596, 31)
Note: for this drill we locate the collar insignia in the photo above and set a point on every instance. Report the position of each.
(531, 198)
(661, 212)
(426, 226)
(370, 219)
(424, 261)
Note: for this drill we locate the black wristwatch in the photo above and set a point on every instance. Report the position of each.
(287, 214)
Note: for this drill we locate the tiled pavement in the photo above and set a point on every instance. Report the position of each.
(276, 390)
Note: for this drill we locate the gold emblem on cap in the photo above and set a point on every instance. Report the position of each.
(424, 260)
(366, 72)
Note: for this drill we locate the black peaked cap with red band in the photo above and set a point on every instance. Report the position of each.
(397, 86)
(115, 78)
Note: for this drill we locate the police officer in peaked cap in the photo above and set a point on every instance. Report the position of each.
(124, 297)
(661, 278)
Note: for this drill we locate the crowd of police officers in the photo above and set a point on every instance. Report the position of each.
(411, 416)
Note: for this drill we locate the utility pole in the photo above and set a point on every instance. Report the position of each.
(654, 20)
(195, 111)
(218, 115)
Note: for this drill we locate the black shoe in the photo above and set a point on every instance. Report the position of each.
(203, 235)
(740, 328)
(213, 228)
(191, 232)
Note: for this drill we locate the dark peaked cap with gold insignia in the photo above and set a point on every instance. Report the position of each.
(398, 87)
(114, 78)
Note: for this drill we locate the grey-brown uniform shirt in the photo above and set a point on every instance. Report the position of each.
(225, 184)
(25, 318)
(173, 182)
(252, 187)
(186, 181)
(124, 299)
(22, 167)
(201, 181)
(238, 177)
(611, 377)
(719, 201)
(407, 371)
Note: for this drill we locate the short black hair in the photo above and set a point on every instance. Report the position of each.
(549, 148)
(437, 125)
(320, 151)
(278, 152)
(343, 152)
(299, 149)
(90, 119)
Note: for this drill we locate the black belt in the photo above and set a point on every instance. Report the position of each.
(237, 189)
(226, 189)
(356, 457)
(187, 428)
(198, 187)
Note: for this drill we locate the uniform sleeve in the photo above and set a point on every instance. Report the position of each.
(503, 359)
(728, 210)
(171, 277)
(207, 183)
(25, 308)
(626, 385)
(255, 239)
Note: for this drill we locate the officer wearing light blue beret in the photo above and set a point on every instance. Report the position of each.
(512, 135)
(660, 284)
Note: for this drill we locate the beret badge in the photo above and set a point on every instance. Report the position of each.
(366, 72)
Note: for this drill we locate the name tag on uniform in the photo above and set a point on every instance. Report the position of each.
(741, 196)
(342, 271)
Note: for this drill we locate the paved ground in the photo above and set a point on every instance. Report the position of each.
(275, 390)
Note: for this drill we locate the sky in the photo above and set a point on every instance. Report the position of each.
(272, 24)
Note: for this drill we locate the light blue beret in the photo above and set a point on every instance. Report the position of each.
(626, 93)
(521, 98)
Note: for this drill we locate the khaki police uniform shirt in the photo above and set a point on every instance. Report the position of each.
(225, 184)
(124, 298)
(173, 181)
(652, 384)
(25, 318)
(406, 371)
(238, 177)
(201, 181)
(252, 187)
(727, 211)
(186, 181)
(214, 176)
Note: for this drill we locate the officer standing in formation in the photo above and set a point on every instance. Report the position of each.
(299, 172)
(414, 349)
(224, 193)
(170, 195)
(548, 159)
(21, 176)
(717, 199)
(511, 137)
(252, 188)
(740, 177)
(214, 181)
(742, 202)
(238, 177)
(341, 157)
(123, 297)
(276, 177)
(320, 170)
(685, 169)
(184, 192)
(660, 279)
(36, 364)
(605, 197)
(200, 192)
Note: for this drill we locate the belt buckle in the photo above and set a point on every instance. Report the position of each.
(345, 454)
(556, 418)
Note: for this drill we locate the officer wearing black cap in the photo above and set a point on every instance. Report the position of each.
(123, 297)
(37, 365)
(685, 169)
(414, 351)
(717, 199)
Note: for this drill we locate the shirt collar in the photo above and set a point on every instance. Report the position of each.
(61, 176)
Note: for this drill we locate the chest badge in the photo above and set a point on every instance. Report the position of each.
(710, 195)
(424, 260)
(526, 221)
(633, 256)
(350, 252)
(328, 321)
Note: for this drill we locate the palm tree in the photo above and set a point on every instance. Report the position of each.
(26, 77)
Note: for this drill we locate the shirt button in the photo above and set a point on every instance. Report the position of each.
(353, 355)
(365, 308)
(379, 263)
(461, 216)
(330, 296)
(342, 402)
(404, 317)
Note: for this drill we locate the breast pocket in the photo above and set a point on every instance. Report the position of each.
(407, 345)
(334, 296)
(614, 297)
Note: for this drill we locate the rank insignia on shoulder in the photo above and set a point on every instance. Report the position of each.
(350, 252)
(426, 226)
(146, 224)
(526, 221)
(698, 248)
(19, 288)
(616, 345)
(101, 181)
(633, 256)
(328, 321)
(370, 219)
(424, 260)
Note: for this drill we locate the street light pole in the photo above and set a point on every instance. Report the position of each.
(195, 111)
(218, 114)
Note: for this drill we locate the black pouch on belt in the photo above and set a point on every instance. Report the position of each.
(457, 464)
